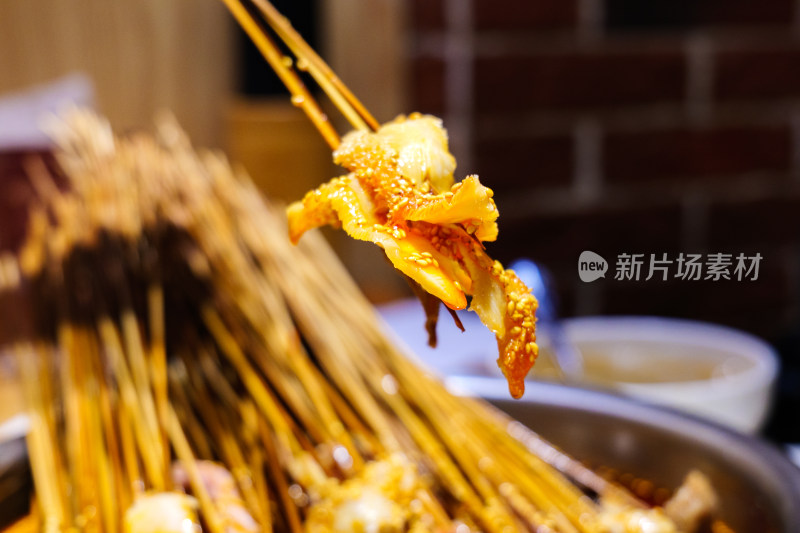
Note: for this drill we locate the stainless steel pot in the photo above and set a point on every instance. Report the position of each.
(758, 486)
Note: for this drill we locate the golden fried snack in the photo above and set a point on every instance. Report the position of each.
(162, 512)
(400, 194)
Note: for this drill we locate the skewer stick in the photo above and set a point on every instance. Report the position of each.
(99, 437)
(183, 406)
(279, 477)
(71, 415)
(129, 456)
(184, 452)
(134, 350)
(255, 386)
(239, 468)
(300, 94)
(112, 495)
(353, 110)
(158, 365)
(222, 432)
(110, 410)
(40, 440)
(142, 432)
(257, 460)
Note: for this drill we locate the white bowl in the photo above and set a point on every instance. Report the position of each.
(708, 370)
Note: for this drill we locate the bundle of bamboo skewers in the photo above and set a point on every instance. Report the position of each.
(177, 342)
(174, 342)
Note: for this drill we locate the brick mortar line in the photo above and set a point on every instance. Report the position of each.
(429, 44)
(491, 43)
(694, 222)
(587, 179)
(662, 193)
(591, 21)
(795, 141)
(550, 42)
(495, 43)
(699, 78)
(643, 118)
(796, 21)
(792, 265)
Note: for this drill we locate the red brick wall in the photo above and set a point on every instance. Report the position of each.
(628, 126)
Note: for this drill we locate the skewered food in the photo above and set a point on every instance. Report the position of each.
(400, 194)
(162, 512)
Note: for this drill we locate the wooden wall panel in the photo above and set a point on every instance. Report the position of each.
(142, 55)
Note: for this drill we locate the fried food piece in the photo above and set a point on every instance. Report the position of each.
(694, 504)
(622, 519)
(222, 489)
(400, 194)
(162, 512)
(378, 500)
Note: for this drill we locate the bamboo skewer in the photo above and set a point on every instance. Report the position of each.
(184, 452)
(40, 441)
(278, 475)
(300, 95)
(132, 407)
(158, 365)
(257, 460)
(101, 439)
(308, 59)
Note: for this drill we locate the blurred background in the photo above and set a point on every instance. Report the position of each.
(621, 126)
(617, 126)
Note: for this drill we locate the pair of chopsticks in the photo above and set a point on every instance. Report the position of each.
(305, 59)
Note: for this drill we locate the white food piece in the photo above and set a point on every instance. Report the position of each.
(162, 512)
